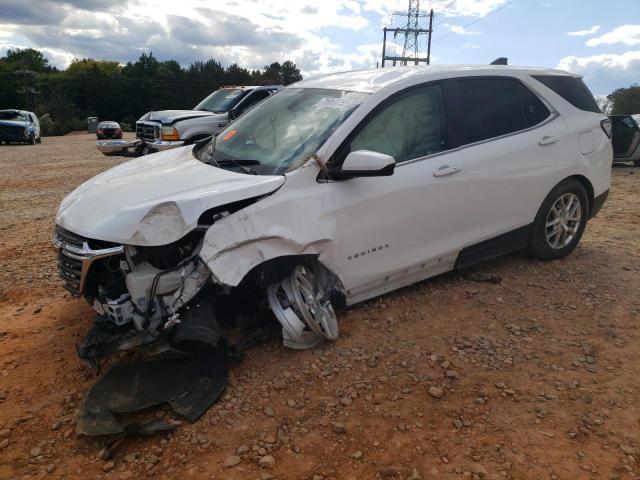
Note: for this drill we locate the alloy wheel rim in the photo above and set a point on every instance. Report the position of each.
(563, 221)
(315, 308)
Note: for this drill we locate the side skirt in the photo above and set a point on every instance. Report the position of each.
(494, 247)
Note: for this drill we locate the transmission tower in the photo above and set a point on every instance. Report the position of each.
(411, 32)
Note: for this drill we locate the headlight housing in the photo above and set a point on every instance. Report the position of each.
(169, 133)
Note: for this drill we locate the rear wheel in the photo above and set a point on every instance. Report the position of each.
(560, 222)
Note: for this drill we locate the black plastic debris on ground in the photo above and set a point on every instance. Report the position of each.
(190, 377)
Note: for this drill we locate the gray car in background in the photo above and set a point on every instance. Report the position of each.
(167, 129)
(626, 138)
(19, 126)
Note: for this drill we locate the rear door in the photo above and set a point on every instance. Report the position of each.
(515, 146)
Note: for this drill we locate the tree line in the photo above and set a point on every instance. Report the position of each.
(111, 91)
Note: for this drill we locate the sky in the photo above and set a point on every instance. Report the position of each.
(597, 39)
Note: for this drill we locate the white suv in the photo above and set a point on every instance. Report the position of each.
(340, 189)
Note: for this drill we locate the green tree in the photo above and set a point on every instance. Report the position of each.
(625, 101)
(290, 73)
(27, 59)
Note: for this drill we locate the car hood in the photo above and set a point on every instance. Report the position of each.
(171, 116)
(155, 199)
(14, 123)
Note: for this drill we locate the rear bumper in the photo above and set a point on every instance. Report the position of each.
(597, 203)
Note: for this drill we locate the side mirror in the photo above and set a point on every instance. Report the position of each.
(365, 163)
(233, 114)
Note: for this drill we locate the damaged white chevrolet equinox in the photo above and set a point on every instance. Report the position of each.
(336, 190)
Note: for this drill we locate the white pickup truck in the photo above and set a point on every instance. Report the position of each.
(167, 129)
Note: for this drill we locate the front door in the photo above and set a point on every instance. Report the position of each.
(399, 229)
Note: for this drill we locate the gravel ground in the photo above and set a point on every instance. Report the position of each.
(534, 377)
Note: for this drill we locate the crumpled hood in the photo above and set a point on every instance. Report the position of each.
(14, 123)
(170, 116)
(155, 199)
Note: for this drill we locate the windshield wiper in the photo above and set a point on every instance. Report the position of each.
(240, 163)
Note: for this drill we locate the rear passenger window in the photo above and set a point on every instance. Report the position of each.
(491, 107)
(534, 110)
(412, 125)
(572, 89)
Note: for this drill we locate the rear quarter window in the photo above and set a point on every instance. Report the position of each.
(572, 89)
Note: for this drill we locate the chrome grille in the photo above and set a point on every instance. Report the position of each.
(147, 131)
(75, 256)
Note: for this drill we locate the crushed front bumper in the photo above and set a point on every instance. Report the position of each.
(140, 146)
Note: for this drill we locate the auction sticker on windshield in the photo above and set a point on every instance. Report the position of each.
(229, 135)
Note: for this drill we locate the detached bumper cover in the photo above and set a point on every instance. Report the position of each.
(108, 147)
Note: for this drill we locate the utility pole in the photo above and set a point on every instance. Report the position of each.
(411, 32)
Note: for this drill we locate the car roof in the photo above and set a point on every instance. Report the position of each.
(370, 81)
(16, 110)
(251, 87)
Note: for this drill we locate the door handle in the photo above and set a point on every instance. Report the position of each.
(444, 170)
(547, 140)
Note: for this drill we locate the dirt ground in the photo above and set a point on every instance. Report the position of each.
(538, 376)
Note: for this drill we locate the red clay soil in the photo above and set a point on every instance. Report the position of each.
(535, 377)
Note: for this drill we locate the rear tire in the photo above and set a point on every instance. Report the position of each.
(560, 221)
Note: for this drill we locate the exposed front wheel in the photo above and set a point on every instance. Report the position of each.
(560, 221)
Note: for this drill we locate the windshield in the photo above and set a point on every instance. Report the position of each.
(279, 133)
(16, 116)
(222, 100)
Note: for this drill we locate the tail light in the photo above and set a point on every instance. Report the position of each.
(607, 127)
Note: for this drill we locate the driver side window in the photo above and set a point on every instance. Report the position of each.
(411, 126)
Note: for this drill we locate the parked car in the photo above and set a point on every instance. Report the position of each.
(19, 126)
(167, 129)
(337, 190)
(108, 129)
(626, 138)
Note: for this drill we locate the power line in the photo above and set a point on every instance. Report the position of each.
(478, 19)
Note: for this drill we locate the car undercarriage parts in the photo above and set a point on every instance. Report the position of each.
(302, 306)
(189, 376)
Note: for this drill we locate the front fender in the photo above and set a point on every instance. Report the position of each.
(295, 220)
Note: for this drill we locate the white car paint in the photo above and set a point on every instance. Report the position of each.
(374, 234)
(155, 199)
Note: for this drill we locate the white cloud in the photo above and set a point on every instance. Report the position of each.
(472, 46)
(582, 33)
(249, 32)
(605, 71)
(468, 8)
(626, 34)
(461, 30)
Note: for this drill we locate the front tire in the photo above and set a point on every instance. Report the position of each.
(560, 222)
